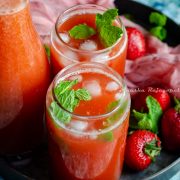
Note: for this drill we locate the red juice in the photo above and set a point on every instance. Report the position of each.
(24, 79)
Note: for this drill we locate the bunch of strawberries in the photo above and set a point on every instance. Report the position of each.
(154, 113)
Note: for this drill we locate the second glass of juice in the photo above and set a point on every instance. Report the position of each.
(66, 50)
(92, 144)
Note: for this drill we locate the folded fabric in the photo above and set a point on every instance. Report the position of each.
(44, 13)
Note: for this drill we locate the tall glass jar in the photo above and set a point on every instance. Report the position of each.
(92, 144)
(24, 79)
(62, 51)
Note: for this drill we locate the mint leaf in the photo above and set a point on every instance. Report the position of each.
(158, 19)
(106, 18)
(112, 105)
(159, 32)
(108, 33)
(57, 113)
(116, 115)
(68, 98)
(63, 86)
(83, 94)
(81, 31)
(47, 49)
(150, 120)
(107, 136)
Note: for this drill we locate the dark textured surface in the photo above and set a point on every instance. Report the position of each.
(38, 168)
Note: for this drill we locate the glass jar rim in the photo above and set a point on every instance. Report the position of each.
(81, 50)
(9, 9)
(94, 117)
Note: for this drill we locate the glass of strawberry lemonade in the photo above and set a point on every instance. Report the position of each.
(87, 116)
(89, 33)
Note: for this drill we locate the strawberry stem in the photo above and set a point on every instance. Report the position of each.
(177, 104)
(152, 149)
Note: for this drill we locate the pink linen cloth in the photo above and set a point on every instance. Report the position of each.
(160, 66)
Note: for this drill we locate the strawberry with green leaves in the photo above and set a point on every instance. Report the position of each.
(148, 107)
(170, 128)
(141, 149)
(147, 120)
(163, 98)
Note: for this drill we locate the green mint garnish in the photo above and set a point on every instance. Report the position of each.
(109, 121)
(150, 120)
(82, 31)
(47, 49)
(57, 113)
(108, 33)
(159, 32)
(117, 114)
(83, 94)
(107, 136)
(68, 98)
(106, 18)
(158, 19)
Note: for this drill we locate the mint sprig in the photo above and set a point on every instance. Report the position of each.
(68, 98)
(110, 120)
(159, 31)
(107, 136)
(81, 31)
(150, 120)
(47, 49)
(160, 21)
(108, 33)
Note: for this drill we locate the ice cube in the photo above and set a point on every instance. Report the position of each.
(103, 57)
(118, 96)
(93, 87)
(78, 77)
(79, 125)
(88, 45)
(93, 134)
(112, 86)
(68, 58)
(65, 37)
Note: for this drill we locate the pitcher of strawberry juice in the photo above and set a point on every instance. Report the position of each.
(87, 116)
(78, 35)
(24, 79)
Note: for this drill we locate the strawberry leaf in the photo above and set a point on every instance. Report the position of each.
(150, 120)
(152, 149)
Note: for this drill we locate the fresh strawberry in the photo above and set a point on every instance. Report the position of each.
(139, 102)
(136, 43)
(141, 149)
(170, 128)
